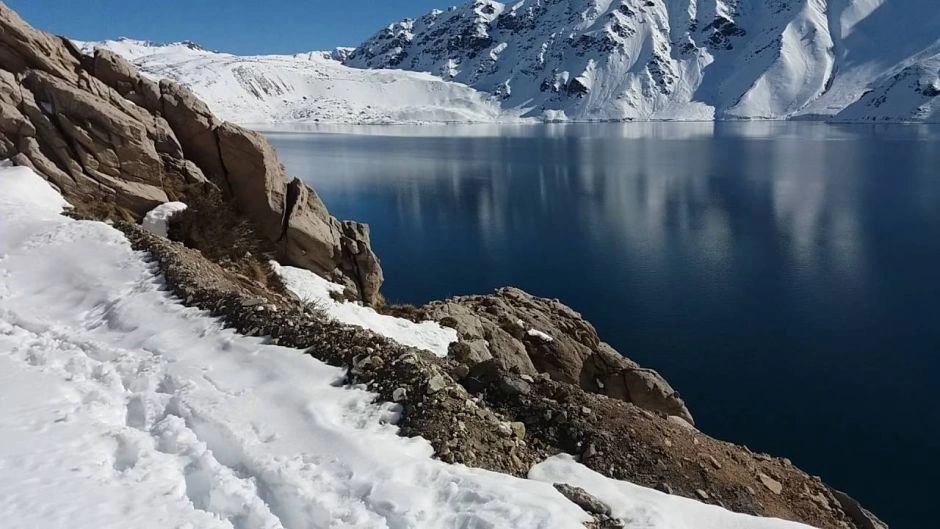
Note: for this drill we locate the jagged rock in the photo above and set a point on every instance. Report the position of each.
(313, 239)
(106, 136)
(583, 499)
(862, 517)
(772, 485)
(255, 178)
(508, 327)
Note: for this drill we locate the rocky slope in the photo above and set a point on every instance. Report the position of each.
(680, 59)
(528, 378)
(108, 137)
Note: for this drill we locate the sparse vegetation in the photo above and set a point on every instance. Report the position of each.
(213, 226)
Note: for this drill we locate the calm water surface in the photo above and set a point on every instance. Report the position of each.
(785, 277)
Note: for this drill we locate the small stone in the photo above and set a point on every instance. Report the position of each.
(518, 429)
(436, 384)
(711, 459)
(585, 410)
(527, 378)
(772, 485)
(667, 442)
(583, 499)
(516, 461)
(590, 451)
(664, 487)
(514, 386)
(750, 490)
(461, 371)
(702, 494)
(504, 429)
(679, 421)
(251, 302)
(399, 394)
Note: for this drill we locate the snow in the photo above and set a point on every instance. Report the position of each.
(123, 408)
(642, 508)
(677, 59)
(632, 60)
(541, 335)
(310, 287)
(305, 88)
(156, 221)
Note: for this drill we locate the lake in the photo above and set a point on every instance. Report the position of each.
(784, 277)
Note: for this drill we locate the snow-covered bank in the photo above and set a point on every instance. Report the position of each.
(123, 408)
(312, 288)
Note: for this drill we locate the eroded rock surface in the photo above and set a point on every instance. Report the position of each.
(116, 144)
(528, 335)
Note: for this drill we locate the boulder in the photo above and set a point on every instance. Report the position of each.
(254, 177)
(528, 335)
(315, 240)
(107, 136)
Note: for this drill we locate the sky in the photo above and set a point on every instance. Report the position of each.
(235, 26)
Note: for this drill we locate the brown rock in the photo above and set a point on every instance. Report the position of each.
(498, 326)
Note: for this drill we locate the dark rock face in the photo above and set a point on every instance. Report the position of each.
(529, 335)
(104, 134)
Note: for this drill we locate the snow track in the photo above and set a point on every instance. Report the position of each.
(126, 409)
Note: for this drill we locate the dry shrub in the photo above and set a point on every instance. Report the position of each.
(406, 311)
(216, 228)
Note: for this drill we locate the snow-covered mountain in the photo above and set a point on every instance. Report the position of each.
(308, 87)
(681, 59)
(845, 60)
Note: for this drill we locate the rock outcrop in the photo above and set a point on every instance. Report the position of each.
(527, 335)
(116, 143)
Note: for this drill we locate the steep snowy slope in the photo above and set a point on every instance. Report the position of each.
(679, 59)
(306, 87)
(123, 408)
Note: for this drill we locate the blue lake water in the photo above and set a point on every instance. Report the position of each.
(785, 277)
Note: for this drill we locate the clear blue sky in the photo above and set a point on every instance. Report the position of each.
(237, 26)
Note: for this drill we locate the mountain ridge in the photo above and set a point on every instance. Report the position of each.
(588, 60)
(677, 59)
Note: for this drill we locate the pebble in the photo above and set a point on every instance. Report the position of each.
(461, 372)
(711, 459)
(514, 386)
(590, 452)
(702, 494)
(436, 384)
(504, 429)
(664, 487)
(518, 429)
(772, 485)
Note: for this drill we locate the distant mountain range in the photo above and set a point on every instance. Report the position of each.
(841, 60)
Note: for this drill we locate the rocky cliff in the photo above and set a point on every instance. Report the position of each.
(115, 143)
